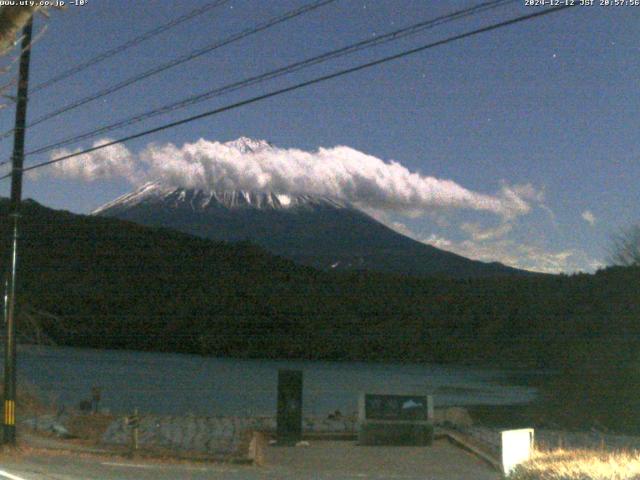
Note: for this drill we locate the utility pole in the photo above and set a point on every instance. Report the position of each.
(17, 159)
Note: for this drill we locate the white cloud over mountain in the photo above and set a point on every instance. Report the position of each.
(340, 172)
(518, 254)
(382, 188)
(115, 161)
(479, 233)
(589, 217)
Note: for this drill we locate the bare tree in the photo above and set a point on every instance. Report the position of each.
(12, 19)
(625, 249)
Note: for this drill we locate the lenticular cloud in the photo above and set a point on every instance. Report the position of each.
(339, 172)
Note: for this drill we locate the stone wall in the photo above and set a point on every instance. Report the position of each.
(226, 435)
(210, 435)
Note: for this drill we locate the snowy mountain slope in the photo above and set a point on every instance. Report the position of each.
(312, 230)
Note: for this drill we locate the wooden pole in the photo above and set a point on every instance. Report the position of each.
(9, 436)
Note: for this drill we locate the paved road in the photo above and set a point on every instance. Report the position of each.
(346, 460)
(61, 468)
(320, 461)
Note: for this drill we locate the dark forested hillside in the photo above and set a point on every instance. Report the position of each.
(113, 284)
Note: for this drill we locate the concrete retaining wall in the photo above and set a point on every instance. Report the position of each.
(210, 435)
(224, 435)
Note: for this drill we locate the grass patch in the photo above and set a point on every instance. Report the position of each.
(579, 465)
(90, 426)
(30, 400)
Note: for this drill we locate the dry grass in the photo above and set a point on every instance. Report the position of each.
(31, 401)
(580, 465)
(90, 426)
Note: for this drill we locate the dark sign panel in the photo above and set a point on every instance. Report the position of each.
(289, 405)
(395, 407)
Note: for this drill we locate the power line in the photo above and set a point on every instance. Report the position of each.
(298, 86)
(129, 44)
(178, 61)
(194, 99)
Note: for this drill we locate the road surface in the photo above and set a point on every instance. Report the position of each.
(319, 461)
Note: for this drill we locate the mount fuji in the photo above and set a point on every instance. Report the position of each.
(312, 230)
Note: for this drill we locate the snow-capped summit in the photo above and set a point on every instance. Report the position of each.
(159, 194)
(248, 145)
(147, 191)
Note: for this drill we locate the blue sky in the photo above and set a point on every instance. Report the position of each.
(546, 109)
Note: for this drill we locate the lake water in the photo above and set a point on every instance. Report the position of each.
(165, 383)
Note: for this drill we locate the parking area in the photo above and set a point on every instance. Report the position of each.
(320, 460)
(338, 460)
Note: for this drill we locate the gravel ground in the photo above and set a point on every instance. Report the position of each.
(321, 460)
(342, 459)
